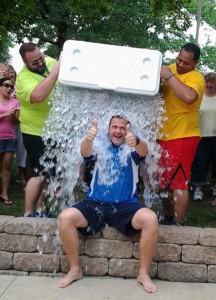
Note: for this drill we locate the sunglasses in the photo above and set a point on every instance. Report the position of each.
(7, 85)
(36, 62)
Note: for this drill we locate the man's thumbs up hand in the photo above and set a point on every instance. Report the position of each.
(130, 139)
(92, 132)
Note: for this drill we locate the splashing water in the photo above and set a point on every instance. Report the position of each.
(71, 115)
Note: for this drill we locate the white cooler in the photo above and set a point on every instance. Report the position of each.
(116, 68)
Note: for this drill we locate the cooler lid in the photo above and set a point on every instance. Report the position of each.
(118, 68)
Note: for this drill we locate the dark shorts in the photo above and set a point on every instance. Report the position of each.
(98, 215)
(35, 149)
(8, 145)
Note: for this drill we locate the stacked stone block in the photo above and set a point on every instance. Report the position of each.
(30, 246)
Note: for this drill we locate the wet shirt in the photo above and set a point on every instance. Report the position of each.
(115, 176)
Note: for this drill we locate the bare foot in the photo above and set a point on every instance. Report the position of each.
(147, 283)
(71, 276)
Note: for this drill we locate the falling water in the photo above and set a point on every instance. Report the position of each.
(72, 113)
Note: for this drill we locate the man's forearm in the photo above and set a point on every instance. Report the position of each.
(187, 94)
(142, 148)
(45, 87)
(86, 147)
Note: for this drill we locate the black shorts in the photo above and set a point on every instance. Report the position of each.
(98, 215)
(35, 149)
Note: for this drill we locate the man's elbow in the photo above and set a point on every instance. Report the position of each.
(190, 98)
(36, 98)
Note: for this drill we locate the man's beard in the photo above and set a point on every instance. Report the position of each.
(38, 71)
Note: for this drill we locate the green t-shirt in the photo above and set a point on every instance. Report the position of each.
(32, 115)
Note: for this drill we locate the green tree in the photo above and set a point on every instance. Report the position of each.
(133, 23)
(208, 11)
(5, 43)
(153, 24)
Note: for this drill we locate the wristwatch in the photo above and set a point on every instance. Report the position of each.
(137, 140)
(169, 76)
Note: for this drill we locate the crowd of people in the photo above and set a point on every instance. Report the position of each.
(188, 154)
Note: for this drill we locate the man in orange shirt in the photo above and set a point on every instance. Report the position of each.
(182, 90)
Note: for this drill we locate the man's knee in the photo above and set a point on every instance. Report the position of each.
(71, 216)
(145, 217)
(66, 216)
(150, 217)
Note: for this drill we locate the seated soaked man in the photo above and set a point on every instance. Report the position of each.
(111, 198)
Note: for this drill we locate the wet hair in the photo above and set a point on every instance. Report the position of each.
(3, 79)
(192, 48)
(119, 117)
(210, 77)
(27, 47)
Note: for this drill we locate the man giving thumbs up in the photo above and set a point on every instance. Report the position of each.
(111, 199)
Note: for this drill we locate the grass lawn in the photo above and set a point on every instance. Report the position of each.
(199, 213)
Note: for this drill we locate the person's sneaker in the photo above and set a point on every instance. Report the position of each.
(164, 194)
(166, 220)
(35, 214)
(174, 223)
(198, 194)
(154, 198)
(214, 190)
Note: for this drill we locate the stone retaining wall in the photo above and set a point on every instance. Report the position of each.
(29, 246)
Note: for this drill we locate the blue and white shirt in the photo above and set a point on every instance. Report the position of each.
(115, 176)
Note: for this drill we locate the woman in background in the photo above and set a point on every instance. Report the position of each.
(205, 158)
(9, 115)
(21, 154)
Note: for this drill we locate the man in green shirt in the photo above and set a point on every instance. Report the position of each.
(34, 88)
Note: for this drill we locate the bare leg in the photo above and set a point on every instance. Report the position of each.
(146, 221)
(82, 172)
(69, 220)
(33, 191)
(180, 199)
(7, 158)
(144, 173)
(165, 196)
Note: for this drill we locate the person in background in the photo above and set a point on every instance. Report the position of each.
(9, 114)
(3, 73)
(21, 154)
(34, 88)
(85, 175)
(182, 90)
(112, 198)
(205, 158)
(82, 184)
(12, 75)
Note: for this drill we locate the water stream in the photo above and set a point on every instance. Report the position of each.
(72, 113)
(73, 110)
